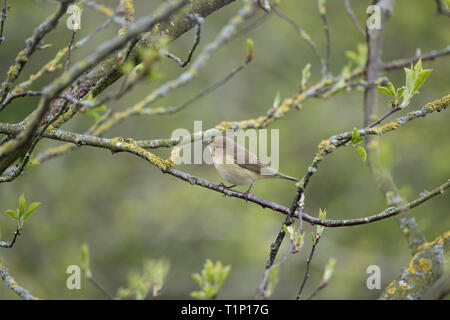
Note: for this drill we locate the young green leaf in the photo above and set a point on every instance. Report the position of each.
(385, 90)
(276, 101)
(319, 230)
(22, 204)
(272, 280)
(391, 88)
(31, 209)
(306, 73)
(415, 78)
(85, 264)
(356, 137)
(250, 47)
(420, 79)
(13, 214)
(322, 6)
(329, 269)
(362, 152)
(32, 163)
(399, 93)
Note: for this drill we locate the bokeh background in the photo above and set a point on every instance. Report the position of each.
(127, 211)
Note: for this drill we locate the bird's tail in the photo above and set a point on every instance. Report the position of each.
(287, 177)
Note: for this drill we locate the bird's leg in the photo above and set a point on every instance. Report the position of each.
(246, 193)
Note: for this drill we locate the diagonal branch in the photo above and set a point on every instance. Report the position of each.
(14, 286)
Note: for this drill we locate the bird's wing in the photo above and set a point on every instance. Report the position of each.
(251, 161)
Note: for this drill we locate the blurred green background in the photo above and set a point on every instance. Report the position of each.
(127, 211)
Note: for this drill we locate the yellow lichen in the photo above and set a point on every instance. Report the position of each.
(406, 231)
(51, 130)
(286, 106)
(193, 72)
(387, 127)
(391, 290)
(324, 144)
(439, 104)
(423, 264)
(403, 286)
(105, 10)
(224, 125)
(438, 240)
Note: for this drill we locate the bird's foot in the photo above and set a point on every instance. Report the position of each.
(246, 195)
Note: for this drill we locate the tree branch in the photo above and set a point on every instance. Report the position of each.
(14, 286)
(424, 269)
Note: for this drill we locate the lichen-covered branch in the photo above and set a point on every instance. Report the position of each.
(13, 149)
(31, 44)
(14, 286)
(330, 145)
(424, 269)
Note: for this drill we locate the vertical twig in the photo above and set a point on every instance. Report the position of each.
(275, 246)
(308, 266)
(2, 21)
(414, 235)
(323, 15)
(69, 49)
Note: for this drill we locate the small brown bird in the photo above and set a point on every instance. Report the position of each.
(239, 166)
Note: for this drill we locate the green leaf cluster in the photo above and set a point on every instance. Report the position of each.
(22, 213)
(355, 141)
(306, 74)
(149, 280)
(415, 78)
(210, 280)
(359, 57)
(295, 236)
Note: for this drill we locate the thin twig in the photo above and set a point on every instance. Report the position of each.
(208, 89)
(321, 285)
(397, 64)
(198, 22)
(31, 44)
(275, 246)
(253, 25)
(350, 12)
(9, 244)
(308, 266)
(2, 21)
(383, 178)
(326, 29)
(69, 49)
(305, 36)
(100, 287)
(390, 112)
